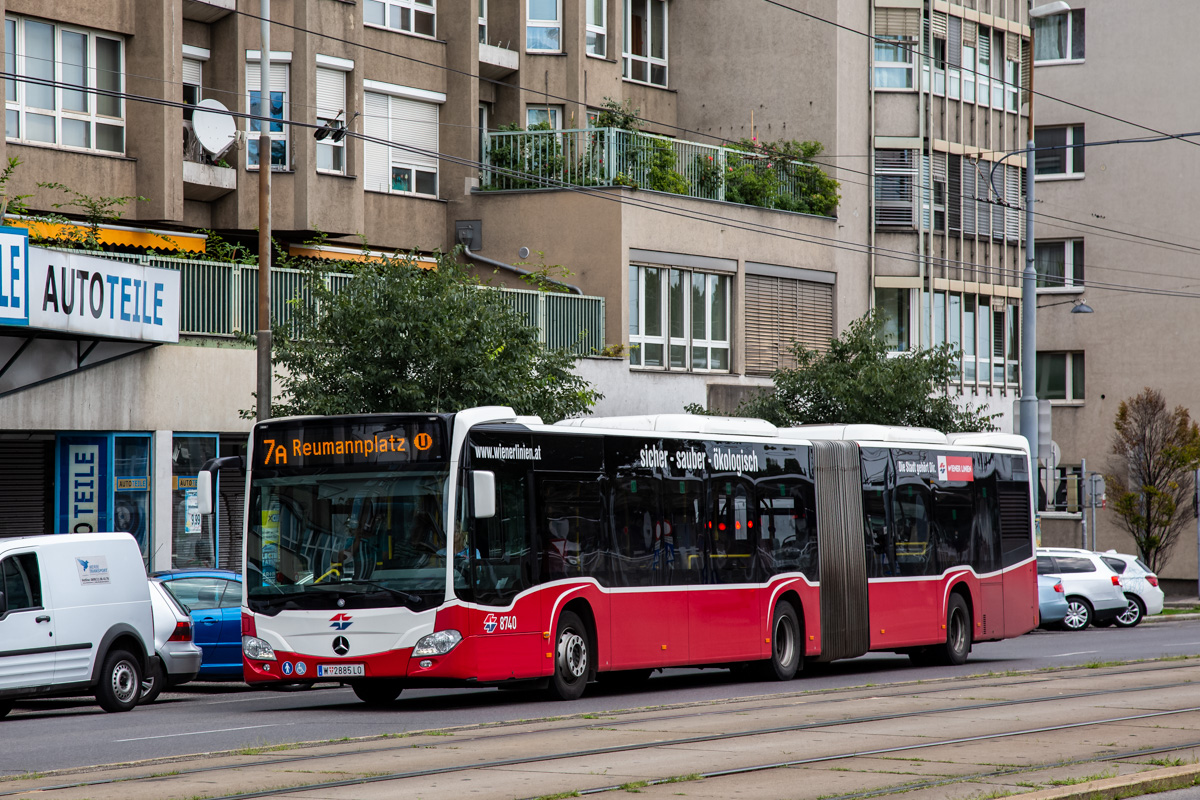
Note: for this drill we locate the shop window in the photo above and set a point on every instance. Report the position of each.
(193, 537)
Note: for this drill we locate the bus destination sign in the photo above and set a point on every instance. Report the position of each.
(350, 444)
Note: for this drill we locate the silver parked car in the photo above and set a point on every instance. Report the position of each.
(1052, 601)
(1140, 585)
(176, 657)
(1093, 590)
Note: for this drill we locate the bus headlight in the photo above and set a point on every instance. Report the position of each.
(257, 649)
(437, 644)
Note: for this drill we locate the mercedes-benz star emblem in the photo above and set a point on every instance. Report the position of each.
(341, 645)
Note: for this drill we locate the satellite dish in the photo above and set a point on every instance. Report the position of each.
(213, 127)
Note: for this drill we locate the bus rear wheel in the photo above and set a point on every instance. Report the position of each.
(571, 658)
(377, 693)
(786, 644)
(958, 639)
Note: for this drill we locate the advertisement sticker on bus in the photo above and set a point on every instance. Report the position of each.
(955, 468)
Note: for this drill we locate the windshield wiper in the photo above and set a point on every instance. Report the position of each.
(410, 599)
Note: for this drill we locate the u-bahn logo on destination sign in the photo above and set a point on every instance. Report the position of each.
(341, 621)
(955, 468)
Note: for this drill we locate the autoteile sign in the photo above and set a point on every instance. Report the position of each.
(87, 295)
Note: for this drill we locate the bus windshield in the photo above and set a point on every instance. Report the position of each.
(347, 540)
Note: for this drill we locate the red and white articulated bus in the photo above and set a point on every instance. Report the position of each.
(487, 549)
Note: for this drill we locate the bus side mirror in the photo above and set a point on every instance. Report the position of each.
(204, 492)
(483, 487)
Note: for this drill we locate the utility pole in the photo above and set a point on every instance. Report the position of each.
(264, 216)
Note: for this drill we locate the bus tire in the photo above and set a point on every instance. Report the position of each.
(571, 657)
(625, 680)
(377, 692)
(958, 634)
(120, 684)
(786, 645)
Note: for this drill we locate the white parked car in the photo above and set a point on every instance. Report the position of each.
(176, 657)
(1140, 585)
(75, 618)
(1093, 590)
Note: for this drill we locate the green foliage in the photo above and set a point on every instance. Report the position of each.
(781, 175)
(401, 338)
(217, 248)
(858, 380)
(709, 179)
(621, 115)
(525, 162)
(95, 210)
(1150, 480)
(11, 204)
(545, 277)
(661, 175)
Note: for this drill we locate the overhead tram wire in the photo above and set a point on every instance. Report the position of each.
(813, 239)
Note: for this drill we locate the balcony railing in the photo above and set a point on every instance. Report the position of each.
(517, 160)
(221, 299)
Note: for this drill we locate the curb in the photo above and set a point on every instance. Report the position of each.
(1170, 617)
(1133, 785)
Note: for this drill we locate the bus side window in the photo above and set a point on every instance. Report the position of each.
(732, 540)
(572, 537)
(915, 553)
(637, 557)
(683, 512)
(787, 537)
(880, 544)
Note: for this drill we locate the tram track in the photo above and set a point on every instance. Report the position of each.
(773, 703)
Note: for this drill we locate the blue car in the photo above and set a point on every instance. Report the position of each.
(1052, 601)
(214, 599)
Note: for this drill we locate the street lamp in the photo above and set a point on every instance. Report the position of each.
(1028, 401)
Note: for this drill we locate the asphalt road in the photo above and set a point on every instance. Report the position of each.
(45, 735)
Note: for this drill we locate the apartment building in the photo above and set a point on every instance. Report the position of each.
(1114, 228)
(948, 229)
(702, 289)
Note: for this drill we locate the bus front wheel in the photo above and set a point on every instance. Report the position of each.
(377, 692)
(571, 658)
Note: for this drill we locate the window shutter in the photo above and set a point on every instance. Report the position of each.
(939, 167)
(996, 197)
(983, 194)
(1025, 67)
(192, 71)
(898, 22)
(377, 168)
(954, 201)
(1013, 219)
(331, 93)
(279, 77)
(939, 24)
(970, 32)
(1012, 47)
(925, 190)
(954, 42)
(780, 311)
(968, 196)
(895, 176)
(415, 124)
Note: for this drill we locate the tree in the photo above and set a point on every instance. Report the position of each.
(1151, 476)
(859, 380)
(401, 338)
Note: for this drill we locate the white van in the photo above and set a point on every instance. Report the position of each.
(75, 618)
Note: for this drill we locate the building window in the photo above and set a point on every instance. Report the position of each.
(892, 305)
(983, 329)
(597, 28)
(933, 192)
(193, 82)
(544, 117)
(1011, 85)
(277, 108)
(678, 319)
(1060, 376)
(406, 16)
(1059, 151)
(331, 111)
(1059, 37)
(543, 27)
(403, 121)
(895, 178)
(645, 56)
(894, 62)
(59, 114)
(1059, 264)
(483, 19)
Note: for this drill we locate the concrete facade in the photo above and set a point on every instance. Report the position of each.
(1132, 208)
